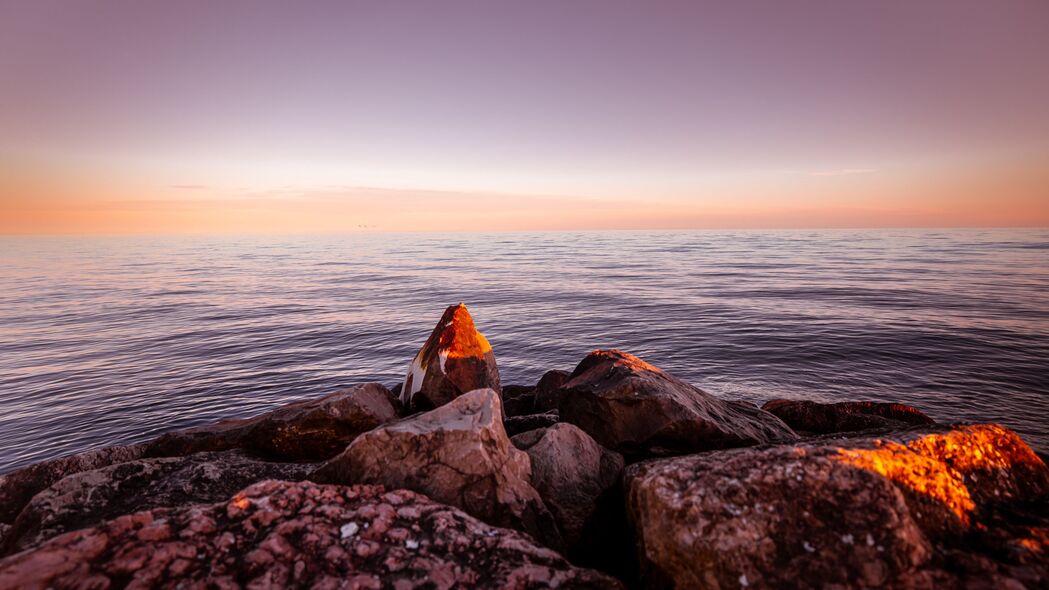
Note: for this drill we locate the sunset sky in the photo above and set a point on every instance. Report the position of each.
(139, 116)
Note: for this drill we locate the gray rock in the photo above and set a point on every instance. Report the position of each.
(18, 487)
(87, 498)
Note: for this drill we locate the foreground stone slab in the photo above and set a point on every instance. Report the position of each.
(455, 359)
(457, 454)
(297, 535)
(18, 487)
(933, 507)
(634, 408)
(571, 472)
(90, 497)
(817, 418)
(310, 430)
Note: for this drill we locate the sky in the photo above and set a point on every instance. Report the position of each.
(203, 117)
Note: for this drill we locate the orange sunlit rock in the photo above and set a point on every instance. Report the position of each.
(455, 359)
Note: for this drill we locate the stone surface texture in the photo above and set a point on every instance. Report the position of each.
(90, 497)
(548, 390)
(297, 535)
(929, 508)
(458, 454)
(636, 409)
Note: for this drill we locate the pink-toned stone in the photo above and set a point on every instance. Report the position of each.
(440, 547)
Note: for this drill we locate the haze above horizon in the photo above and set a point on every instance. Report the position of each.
(199, 117)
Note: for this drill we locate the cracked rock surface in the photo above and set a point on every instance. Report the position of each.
(277, 534)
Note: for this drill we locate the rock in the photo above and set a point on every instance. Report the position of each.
(455, 359)
(518, 400)
(457, 454)
(817, 418)
(929, 508)
(634, 408)
(518, 424)
(297, 535)
(548, 390)
(570, 471)
(18, 487)
(310, 430)
(90, 497)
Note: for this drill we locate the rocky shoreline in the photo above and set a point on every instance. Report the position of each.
(614, 474)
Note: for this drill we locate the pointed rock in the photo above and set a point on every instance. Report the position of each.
(455, 359)
(634, 408)
(457, 454)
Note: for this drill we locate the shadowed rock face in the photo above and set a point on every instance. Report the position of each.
(90, 497)
(18, 487)
(640, 411)
(817, 418)
(310, 430)
(518, 424)
(455, 359)
(932, 507)
(548, 390)
(297, 535)
(571, 472)
(458, 454)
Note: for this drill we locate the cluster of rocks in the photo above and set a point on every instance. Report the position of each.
(615, 474)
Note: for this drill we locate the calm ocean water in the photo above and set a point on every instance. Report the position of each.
(115, 340)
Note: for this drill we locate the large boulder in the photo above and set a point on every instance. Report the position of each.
(309, 430)
(634, 408)
(517, 424)
(18, 487)
(571, 472)
(297, 535)
(931, 507)
(455, 359)
(458, 454)
(518, 400)
(817, 418)
(90, 497)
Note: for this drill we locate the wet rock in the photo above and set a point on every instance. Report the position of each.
(458, 454)
(518, 424)
(455, 359)
(634, 408)
(817, 418)
(548, 390)
(570, 471)
(518, 400)
(90, 497)
(906, 510)
(297, 535)
(309, 430)
(18, 487)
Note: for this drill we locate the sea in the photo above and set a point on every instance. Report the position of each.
(114, 340)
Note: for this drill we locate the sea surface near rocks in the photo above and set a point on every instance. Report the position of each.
(110, 340)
